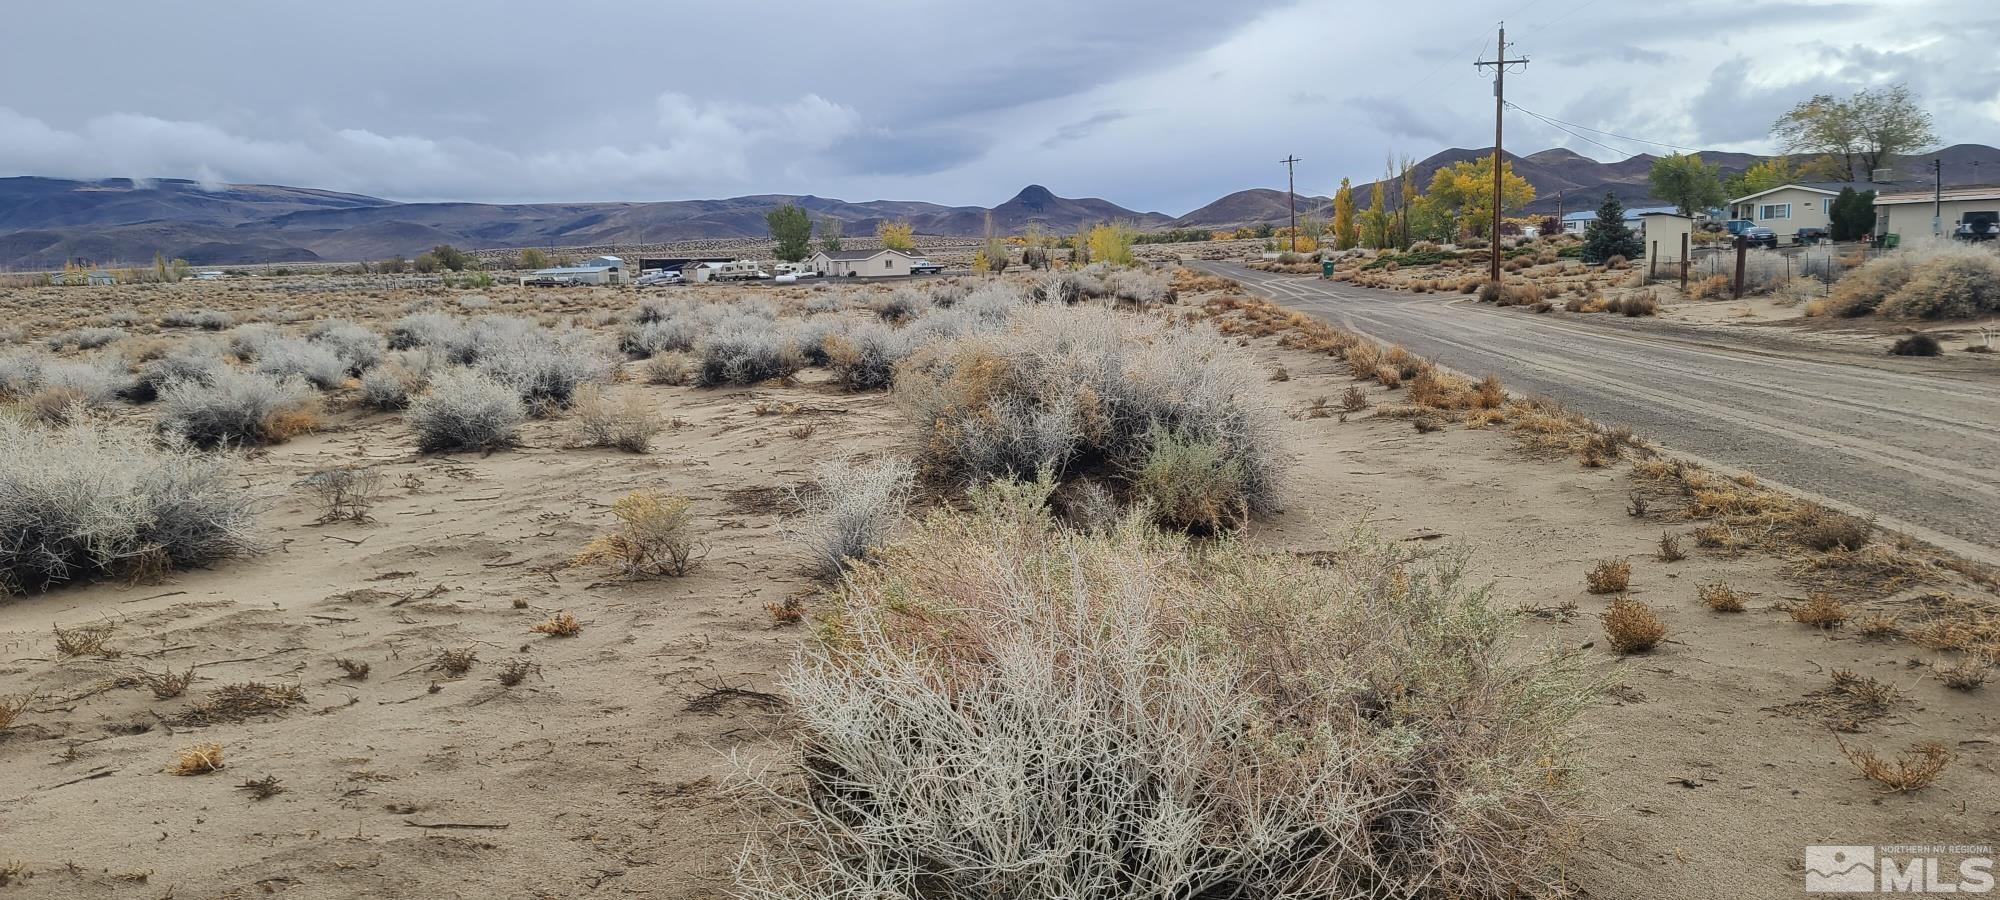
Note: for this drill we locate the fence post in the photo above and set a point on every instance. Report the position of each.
(1653, 262)
(1742, 247)
(1684, 263)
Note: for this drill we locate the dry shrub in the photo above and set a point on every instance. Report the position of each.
(1670, 548)
(456, 661)
(1389, 377)
(466, 411)
(1720, 597)
(344, 494)
(1909, 772)
(11, 708)
(655, 536)
(1443, 390)
(353, 669)
(1964, 675)
(1354, 399)
(168, 684)
(1631, 626)
(1635, 305)
(562, 624)
(1820, 611)
(1077, 392)
(1954, 283)
(1273, 710)
(629, 424)
(1916, 345)
(84, 640)
(1609, 576)
(854, 507)
(1821, 529)
(200, 759)
(515, 671)
(671, 369)
(236, 408)
(1191, 484)
(1878, 626)
(1363, 359)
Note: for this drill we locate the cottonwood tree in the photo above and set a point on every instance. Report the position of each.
(1466, 190)
(1607, 235)
(1762, 176)
(791, 232)
(1863, 132)
(829, 234)
(896, 235)
(1686, 182)
(1346, 231)
(533, 258)
(1375, 221)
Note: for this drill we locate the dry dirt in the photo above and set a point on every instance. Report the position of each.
(604, 771)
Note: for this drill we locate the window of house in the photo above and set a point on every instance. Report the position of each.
(888, 262)
(1826, 206)
(1774, 211)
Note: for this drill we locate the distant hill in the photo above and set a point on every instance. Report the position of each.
(45, 222)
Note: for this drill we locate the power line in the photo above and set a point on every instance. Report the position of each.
(1571, 133)
(1555, 121)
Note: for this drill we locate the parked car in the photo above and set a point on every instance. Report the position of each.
(1760, 237)
(1811, 235)
(1738, 226)
(658, 277)
(922, 266)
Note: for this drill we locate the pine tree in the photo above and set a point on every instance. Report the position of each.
(1607, 235)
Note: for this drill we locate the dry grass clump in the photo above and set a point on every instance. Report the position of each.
(237, 702)
(1609, 576)
(1916, 345)
(200, 759)
(1191, 485)
(1088, 392)
(1908, 772)
(456, 661)
(168, 684)
(262, 788)
(1720, 597)
(562, 624)
(353, 669)
(1272, 710)
(655, 536)
(1354, 399)
(852, 508)
(629, 425)
(11, 708)
(1670, 548)
(1820, 611)
(465, 411)
(1544, 425)
(82, 501)
(1631, 626)
(1635, 305)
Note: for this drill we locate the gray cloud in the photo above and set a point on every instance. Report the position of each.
(1160, 104)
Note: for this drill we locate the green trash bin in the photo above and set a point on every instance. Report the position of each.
(1326, 268)
(1891, 241)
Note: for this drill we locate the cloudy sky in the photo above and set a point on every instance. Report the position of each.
(1153, 104)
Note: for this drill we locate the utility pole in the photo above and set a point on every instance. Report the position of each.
(1937, 197)
(1499, 64)
(1292, 196)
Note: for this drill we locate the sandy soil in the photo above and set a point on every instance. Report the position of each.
(604, 771)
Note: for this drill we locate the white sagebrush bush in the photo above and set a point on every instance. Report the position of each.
(247, 341)
(21, 373)
(545, 368)
(1087, 387)
(195, 363)
(357, 347)
(289, 357)
(465, 411)
(92, 383)
(864, 357)
(998, 707)
(237, 408)
(852, 506)
(746, 350)
(83, 501)
(1140, 288)
(387, 388)
(425, 329)
(84, 338)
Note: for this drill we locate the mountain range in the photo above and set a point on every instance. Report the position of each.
(47, 222)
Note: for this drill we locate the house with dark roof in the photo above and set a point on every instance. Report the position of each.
(1789, 207)
(879, 263)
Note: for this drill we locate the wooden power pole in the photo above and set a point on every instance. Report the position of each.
(1292, 196)
(1499, 64)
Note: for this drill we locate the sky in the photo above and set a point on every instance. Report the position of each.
(1157, 105)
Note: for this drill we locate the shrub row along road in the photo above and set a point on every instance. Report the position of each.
(1913, 442)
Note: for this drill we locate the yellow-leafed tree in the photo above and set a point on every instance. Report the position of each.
(896, 235)
(1346, 230)
(1465, 189)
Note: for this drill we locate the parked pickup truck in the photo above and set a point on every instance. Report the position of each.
(922, 266)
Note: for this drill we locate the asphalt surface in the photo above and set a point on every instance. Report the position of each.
(1913, 442)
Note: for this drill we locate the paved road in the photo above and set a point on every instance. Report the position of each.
(1913, 442)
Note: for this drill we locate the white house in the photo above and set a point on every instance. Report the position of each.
(597, 270)
(1789, 207)
(1573, 222)
(879, 263)
(1963, 212)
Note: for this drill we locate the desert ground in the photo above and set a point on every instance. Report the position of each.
(389, 722)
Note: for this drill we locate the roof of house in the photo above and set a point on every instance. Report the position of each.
(573, 270)
(852, 255)
(1589, 215)
(1970, 192)
(1819, 187)
(1665, 212)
